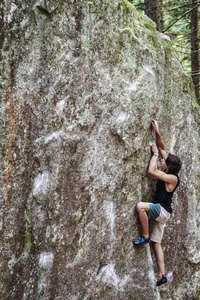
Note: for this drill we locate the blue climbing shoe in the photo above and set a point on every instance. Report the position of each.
(162, 280)
(141, 240)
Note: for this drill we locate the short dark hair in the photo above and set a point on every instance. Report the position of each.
(173, 163)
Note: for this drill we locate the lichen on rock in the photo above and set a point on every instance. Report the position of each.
(81, 82)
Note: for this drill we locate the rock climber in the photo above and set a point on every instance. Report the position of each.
(160, 210)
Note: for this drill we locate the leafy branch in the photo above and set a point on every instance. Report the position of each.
(187, 12)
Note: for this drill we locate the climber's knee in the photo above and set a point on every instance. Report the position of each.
(139, 206)
(142, 206)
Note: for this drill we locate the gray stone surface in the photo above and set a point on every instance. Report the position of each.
(80, 83)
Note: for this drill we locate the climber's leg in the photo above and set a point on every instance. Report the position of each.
(160, 262)
(142, 210)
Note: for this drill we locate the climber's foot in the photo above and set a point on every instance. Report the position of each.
(141, 240)
(162, 280)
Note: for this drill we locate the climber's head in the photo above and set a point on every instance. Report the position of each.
(173, 164)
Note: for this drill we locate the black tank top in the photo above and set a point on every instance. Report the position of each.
(163, 197)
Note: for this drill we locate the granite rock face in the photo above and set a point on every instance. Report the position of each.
(80, 83)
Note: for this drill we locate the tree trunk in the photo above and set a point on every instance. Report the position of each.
(161, 15)
(152, 10)
(195, 47)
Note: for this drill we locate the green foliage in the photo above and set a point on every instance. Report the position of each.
(180, 31)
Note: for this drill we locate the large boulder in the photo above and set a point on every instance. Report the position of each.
(81, 82)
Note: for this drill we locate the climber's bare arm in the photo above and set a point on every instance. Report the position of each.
(159, 141)
(170, 179)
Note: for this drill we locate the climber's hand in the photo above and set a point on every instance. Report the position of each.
(155, 126)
